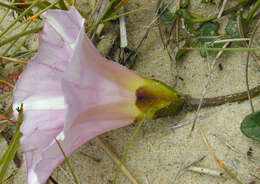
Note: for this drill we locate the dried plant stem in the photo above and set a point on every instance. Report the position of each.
(222, 8)
(211, 69)
(186, 167)
(247, 62)
(241, 33)
(116, 160)
(222, 165)
(204, 170)
(26, 2)
(7, 83)
(20, 61)
(123, 34)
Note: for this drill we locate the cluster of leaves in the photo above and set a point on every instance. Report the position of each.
(209, 26)
(206, 34)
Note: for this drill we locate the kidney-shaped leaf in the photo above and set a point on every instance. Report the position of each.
(250, 126)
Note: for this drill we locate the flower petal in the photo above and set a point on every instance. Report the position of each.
(48, 159)
(39, 87)
(93, 82)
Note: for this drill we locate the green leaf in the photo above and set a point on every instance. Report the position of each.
(185, 14)
(231, 28)
(168, 17)
(208, 29)
(178, 51)
(185, 3)
(250, 126)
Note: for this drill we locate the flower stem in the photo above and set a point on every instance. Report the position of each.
(193, 103)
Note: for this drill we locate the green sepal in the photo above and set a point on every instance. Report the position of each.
(156, 99)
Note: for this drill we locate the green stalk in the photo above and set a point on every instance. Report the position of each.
(12, 148)
(120, 15)
(11, 7)
(67, 162)
(23, 41)
(225, 49)
(18, 35)
(127, 149)
(14, 42)
(27, 53)
(6, 12)
(4, 96)
(252, 12)
(203, 19)
(19, 17)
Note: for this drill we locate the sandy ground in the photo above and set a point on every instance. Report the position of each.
(158, 153)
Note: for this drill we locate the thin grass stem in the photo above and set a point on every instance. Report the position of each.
(6, 95)
(18, 35)
(19, 17)
(12, 148)
(67, 162)
(11, 7)
(140, 124)
(6, 12)
(244, 49)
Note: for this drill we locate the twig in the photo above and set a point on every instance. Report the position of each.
(222, 9)
(186, 167)
(204, 170)
(172, 58)
(7, 83)
(222, 165)
(247, 62)
(116, 160)
(20, 61)
(241, 33)
(154, 19)
(211, 68)
(123, 34)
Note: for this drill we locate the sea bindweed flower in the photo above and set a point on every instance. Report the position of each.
(72, 93)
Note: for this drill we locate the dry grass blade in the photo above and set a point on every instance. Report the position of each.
(116, 160)
(20, 61)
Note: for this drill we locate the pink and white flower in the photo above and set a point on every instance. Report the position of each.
(72, 93)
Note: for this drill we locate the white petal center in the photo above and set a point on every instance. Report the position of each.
(43, 103)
